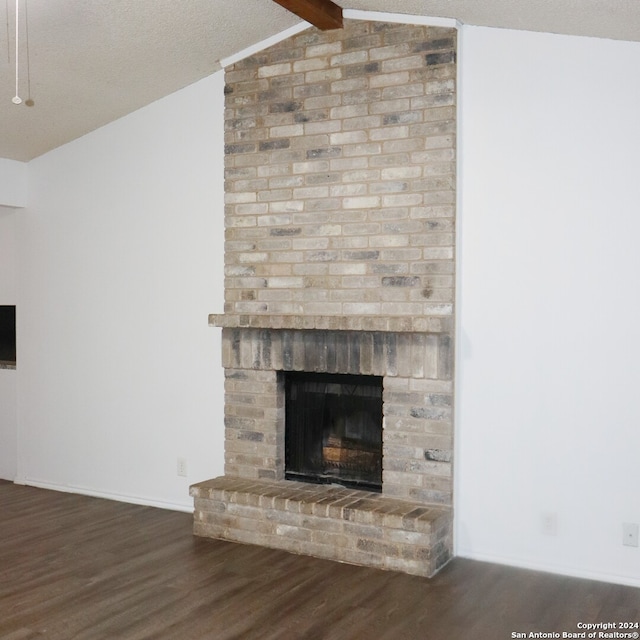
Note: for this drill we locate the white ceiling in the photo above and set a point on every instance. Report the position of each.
(92, 61)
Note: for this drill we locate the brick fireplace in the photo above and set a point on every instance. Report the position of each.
(339, 259)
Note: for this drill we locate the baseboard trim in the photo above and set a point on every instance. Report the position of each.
(107, 495)
(562, 570)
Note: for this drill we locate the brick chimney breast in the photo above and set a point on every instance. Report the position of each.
(340, 259)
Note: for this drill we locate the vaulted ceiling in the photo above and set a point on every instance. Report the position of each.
(93, 61)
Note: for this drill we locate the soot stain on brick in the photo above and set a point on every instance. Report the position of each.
(391, 351)
(356, 70)
(257, 60)
(285, 231)
(327, 152)
(236, 375)
(361, 255)
(253, 436)
(440, 400)
(263, 352)
(287, 350)
(316, 115)
(271, 95)
(440, 58)
(239, 148)
(285, 107)
(268, 145)
(437, 455)
(427, 413)
(286, 54)
(427, 292)
(324, 178)
(240, 123)
(322, 256)
(431, 45)
(235, 346)
(400, 281)
(361, 42)
(354, 354)
(409, 117)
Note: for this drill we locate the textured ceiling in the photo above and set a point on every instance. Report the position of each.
(92, 61)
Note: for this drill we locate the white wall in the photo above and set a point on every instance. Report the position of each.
(549, 347)
(121, 260)
(8, 424)
(8, 218)
(13, 183)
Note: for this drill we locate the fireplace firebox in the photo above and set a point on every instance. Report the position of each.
(333, 429)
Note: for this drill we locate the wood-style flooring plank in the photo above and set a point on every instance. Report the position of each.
(80, 568)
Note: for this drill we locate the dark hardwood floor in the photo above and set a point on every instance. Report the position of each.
(73, 567)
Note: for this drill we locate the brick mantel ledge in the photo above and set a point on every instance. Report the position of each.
(397, 324)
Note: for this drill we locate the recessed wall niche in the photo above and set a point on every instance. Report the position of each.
(8, 334)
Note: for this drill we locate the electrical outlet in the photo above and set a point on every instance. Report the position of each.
(630, 534)
(549, 523)
(182, 467)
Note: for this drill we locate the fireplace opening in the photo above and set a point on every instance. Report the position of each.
(333, 429)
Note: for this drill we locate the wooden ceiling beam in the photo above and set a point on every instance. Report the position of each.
(323, 14)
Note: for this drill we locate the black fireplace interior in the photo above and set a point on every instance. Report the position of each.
(333, 429)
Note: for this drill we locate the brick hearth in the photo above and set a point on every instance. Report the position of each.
(327, 522)
(339, 258)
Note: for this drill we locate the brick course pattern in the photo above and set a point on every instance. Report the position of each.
(338, 524)
(339, 257)
(417, 401)
(340, 175)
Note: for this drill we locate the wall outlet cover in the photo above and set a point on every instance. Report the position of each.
(549, 523)
(630, 534)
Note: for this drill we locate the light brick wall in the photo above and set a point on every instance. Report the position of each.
(328, 522)
(340, 174)
(254, 424)
(417, 441)
(339, 257)
(340, 192)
